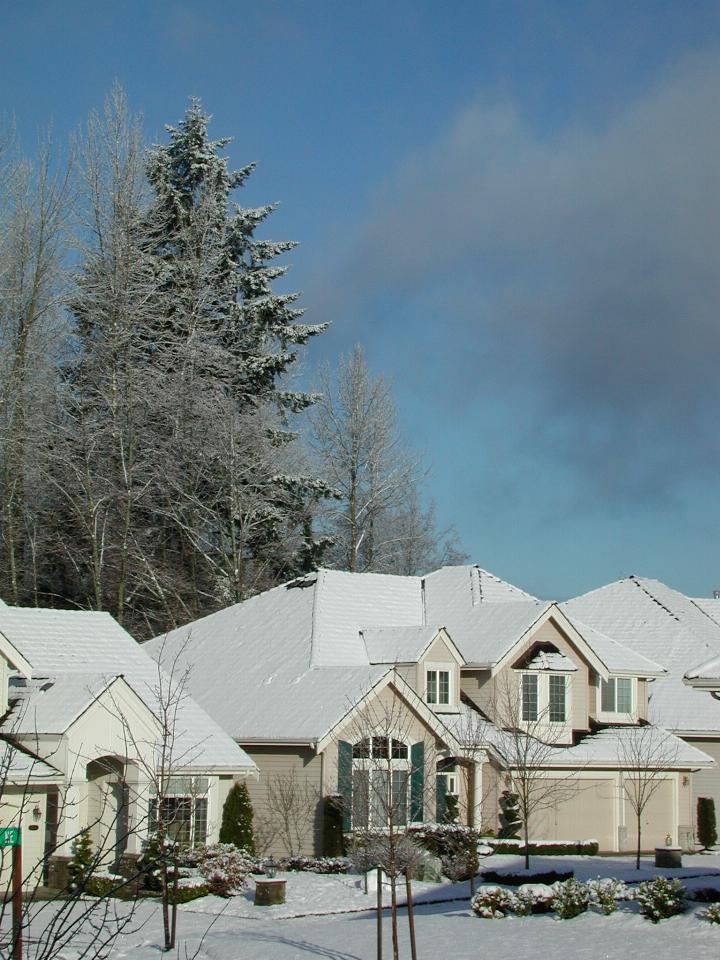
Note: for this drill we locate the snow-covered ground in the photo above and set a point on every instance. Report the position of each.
(329, 917)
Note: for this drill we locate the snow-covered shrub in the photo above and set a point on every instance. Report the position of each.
(494, 903)
(225, 868)
(102, 883)
(190, 888)
(511, 878)
(570, 898)
(660, 898)
(315, 864)
(605, 892)
(713, 913)
(546, 848)
(534, 898)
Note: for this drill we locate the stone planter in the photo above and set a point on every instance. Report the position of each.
(668, 857)
(269, 892)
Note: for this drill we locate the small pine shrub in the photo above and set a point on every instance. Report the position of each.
(712, 914)
(81, 862)
(605, 893)
(570, 899)
(315, 864)
(705, 895)
(452, 813)
(237, 819)
(661, 898)
(494, 903)
(706, 824)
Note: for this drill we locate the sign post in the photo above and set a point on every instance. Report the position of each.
(12, 837)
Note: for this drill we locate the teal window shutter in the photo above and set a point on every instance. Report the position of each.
(345, 758)
(417, 780)
(440, 798)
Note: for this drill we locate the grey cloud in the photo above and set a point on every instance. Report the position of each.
(585, 263)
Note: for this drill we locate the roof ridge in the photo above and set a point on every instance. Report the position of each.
(641, 586)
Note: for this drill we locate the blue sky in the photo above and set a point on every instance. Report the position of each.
(515, 207)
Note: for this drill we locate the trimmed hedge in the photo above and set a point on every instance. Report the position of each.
(546, 848)
(517, 879)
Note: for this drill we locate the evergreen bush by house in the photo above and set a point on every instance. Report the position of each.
(333, 838)
(452, 813)
(706, 824)
(237, 819)
(81, 862)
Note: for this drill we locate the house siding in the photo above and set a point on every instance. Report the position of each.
(304, 766)
(705, 783)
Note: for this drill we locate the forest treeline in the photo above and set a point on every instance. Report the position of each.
(157, 457)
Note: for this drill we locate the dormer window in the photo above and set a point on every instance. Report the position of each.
(529, 697)
(557, 700)
(438, 685)
(616, 695)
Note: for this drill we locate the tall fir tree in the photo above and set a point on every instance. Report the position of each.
(236, 498)
(237, 819)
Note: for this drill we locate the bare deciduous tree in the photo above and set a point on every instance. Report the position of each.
(377, 522)
(645, 754)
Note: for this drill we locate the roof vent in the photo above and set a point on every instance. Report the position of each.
(716, 594)
(47, 685)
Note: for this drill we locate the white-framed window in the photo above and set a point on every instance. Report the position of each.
(617, 695)
(380, 782)
(557, 698)
(530, 699)
(544, 697)
(438, 684)
(184, 810)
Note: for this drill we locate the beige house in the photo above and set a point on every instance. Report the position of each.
(80, 738)
(679, 632)
(369, 685)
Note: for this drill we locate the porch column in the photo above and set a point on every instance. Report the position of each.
(476, 780)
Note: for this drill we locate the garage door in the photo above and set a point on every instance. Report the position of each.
(580, 810)
(657, 818)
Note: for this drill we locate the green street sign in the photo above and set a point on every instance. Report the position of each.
(9, 836)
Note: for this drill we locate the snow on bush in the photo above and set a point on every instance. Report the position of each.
(605, 892)
(713, 913)
(225, 868)
(545, 848)
(570, 898)
(315, 864)
(534, 898)
(494, 903)
(660, 898)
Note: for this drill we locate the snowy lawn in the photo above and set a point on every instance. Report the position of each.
(329, 916)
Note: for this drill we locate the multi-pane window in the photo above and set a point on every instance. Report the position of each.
(616, 695)
(184, 811)
(380, 782)
(529, 697)
(437, 684)
(557, 709)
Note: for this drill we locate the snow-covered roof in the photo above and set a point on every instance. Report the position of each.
(345, 603)
(484, 633)
(705, 676)
(22, 767)
(549, 660)
(616, 656)
(63, 643)
(295, 656)
(663, 625)
(397, 644)
(611, 747)
(51, 704)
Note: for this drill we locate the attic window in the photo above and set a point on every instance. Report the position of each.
(616, 695)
